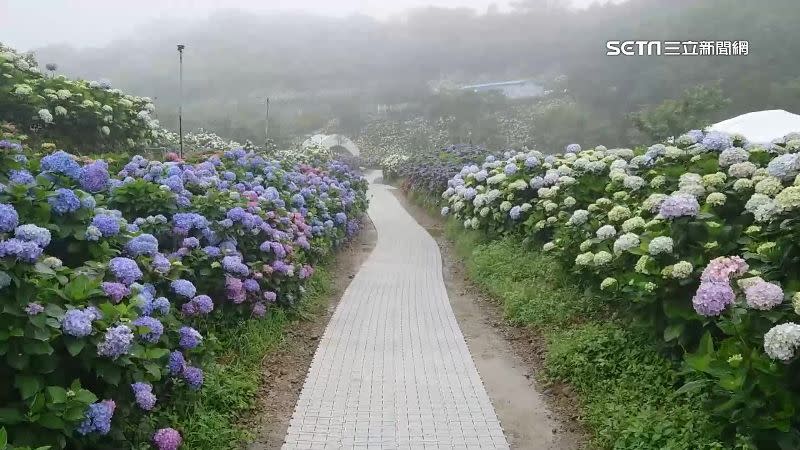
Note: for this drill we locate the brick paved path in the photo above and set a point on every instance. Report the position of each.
(392, 370)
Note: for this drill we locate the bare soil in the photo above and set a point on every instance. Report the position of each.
(285, 370)
(535, 415)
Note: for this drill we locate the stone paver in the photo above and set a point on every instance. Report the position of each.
(392, 370)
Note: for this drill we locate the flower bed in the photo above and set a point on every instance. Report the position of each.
(430, 171)
(111, 282)
(81, 113)
(697, 237)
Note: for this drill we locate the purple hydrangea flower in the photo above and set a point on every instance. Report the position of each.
(145, 398)
(94, 176)
(234, 288)
(160, 263)
(717, 141)
(143, 244)
(712, 297)
(108, 225)
(679, 205)
(193, 377)
(340, 218)
(124, 269)
(233, 264)
(32, 233)
(212, 251)
(510, 169)
(161, 305)
(98, 418)
(183, 288)
(189, 338)
(64, 201)
(116, 342)
(167, 439)
(156, 328)
(9, 219)
(203, 304)
(77, 322)
(191, 242)
(116, 291)
(763, 295)
(176, 363)
(259, 309)
(33, 309)
(270, 296)
(251, 285)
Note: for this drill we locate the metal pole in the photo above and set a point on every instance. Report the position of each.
(266, 129)
(180, 99)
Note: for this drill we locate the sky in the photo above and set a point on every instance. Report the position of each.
(28, 24)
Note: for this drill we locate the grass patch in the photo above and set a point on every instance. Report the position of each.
(627, 388)
(210, 418)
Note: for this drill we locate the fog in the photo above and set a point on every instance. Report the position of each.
(338, 66)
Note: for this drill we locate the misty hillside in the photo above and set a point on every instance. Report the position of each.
(318, 68)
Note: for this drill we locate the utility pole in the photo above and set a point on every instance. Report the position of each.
(266, 129)
(180, 99)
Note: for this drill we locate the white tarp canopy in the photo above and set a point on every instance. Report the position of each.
(332, 140)
(760, 126)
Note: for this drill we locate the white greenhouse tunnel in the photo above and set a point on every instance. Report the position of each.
(330, 141)
(760, 126)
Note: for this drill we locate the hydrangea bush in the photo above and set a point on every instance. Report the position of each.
(81, 113)
(111, 279)
(697, 236)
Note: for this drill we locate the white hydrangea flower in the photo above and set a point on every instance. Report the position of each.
(769, 186)
(681, 270)
(633, 224)
(781, 341)
(60, 111)
(742, 170)
(619, 213)
(579, 217)
(608, 283)
(716, 199)
(606, 232)
(660, 245)
(45, 115)
(626, 242)
(789, 198)
(548, 246)
(106, 131)
(584, 259)
(602, 258)
(634, 183)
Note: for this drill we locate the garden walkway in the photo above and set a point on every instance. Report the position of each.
(392, 370)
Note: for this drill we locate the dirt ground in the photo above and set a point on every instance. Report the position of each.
(285, 370)
(534, 416)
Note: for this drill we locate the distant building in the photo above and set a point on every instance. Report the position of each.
(510, 89)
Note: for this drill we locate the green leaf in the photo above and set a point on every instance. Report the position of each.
(56, 394)
(85, 396)
(28, 385)
(3, 438)
(74, 346)
(691, 386)
(34, 347)
(50, 420)
(10, 416)
(673, 331)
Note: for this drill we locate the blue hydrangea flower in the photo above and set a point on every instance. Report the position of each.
(340, 218)
(64, 201)
(155, 328)
(23, 251)
(189, 338)
(116, 342)
(108, 225)
(233, 264)
(160, 263)
(22, 177)
(212, 251)
(32, 233)
(251, 285)
(143, 392)
(143, 244)
(176, 363)
(183, 288)
(115, 291)
(77, 322)
(94, 176)
(9, 219)
(191, 242)
(125, 269)
(62, 163)
(193, 377)
(717, 141)
(98, 418)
